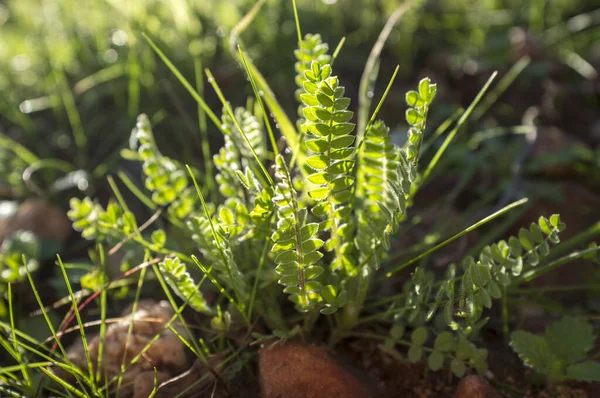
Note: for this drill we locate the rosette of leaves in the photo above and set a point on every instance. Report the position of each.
(310, 49)
(165, 178)
(561, 352)
(331, 147)
(296, 245)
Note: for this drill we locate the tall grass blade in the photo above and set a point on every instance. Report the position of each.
(458, 235)
(369, 76)
(455, 130)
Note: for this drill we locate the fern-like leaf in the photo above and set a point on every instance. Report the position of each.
(217, 251)
(378, 191)
(182, 284)
(296, 246)
(310, 49)
(327, 125)
(234, 159)
(165, 178)
(94, 222)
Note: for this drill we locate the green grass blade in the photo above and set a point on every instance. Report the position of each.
(18, 357)
(286, 127)
(384, 96)
(501, 87)
(480, 136)
(541, 270)
(73, 115)
(185, 83)
(167, 325)
(63, 383)
(297, 21)
(136, 191)
(369, 76)
(454, 131)
(102, 76)
(208, 273)
(80, 323)
(243, 23)
(227, 107)
(458, 235)
(257, 279)
(43, 311)
(260, 101)
(23, 153)
(134, 309)
(236, 292)
(209, 179)
(442, 129)
(337, 50)
(102, 332)
(155, 385)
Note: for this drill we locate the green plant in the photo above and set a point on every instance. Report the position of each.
(22, 244)
(322, 222)
(312, 223)
(561, 352)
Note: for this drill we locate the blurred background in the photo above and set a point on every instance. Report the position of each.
(75, 74)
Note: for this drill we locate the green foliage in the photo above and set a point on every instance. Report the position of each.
(235, 157)
(296, 247)
(95, 223)
(380, 191)
(416, 116)
(11, 170)
(331, 147)
(165, 178)
(19, 254)
(318, 229)
(180, 281)
(216, 248)
(561, 352)
(318, 234)
(310, 50)
(468, 289)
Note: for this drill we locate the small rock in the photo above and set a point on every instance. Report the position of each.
(295, 370)
(43, 220)
(475, 387)
(167, 354)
